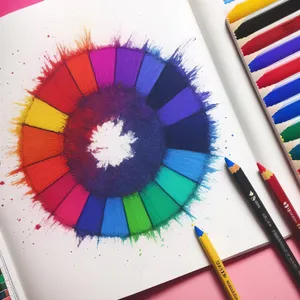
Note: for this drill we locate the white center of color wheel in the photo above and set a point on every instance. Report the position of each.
(110, 145)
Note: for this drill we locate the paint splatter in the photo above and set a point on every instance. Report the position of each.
(37, 227)
(159, 149)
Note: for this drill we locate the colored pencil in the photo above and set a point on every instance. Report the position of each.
(216, 263)
(283, 201)
(291, 133)
(266, 18)
(274, 55)
(287, 112)
(265, 219)
(280, 73)
(271, 36)
(246, 8)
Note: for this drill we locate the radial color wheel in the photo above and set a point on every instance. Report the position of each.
(115, 140)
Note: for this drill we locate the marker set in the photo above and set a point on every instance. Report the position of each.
(268, 40)
(4, 294)
(7, 288)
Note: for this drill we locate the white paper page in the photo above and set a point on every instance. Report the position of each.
(112, 268)
(210, 16)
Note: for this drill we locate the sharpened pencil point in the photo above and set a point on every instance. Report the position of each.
(198, 231)
(229, 163)
(261, 168)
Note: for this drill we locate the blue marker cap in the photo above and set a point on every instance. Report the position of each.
(229, 163)
(198, 231)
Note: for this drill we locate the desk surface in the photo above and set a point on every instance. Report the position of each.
(259, 275)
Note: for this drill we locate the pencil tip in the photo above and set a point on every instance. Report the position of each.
(261, 168)
(229, 163)
(198, 231)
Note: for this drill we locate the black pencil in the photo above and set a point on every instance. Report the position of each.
(265, 220)
(266, 18)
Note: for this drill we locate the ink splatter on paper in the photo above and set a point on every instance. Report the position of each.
(115, 140)
(37, 227)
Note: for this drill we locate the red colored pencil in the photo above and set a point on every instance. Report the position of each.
(283, 201)
(271, 36)
(280, 73)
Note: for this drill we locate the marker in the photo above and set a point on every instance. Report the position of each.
(276, 54)
(265, 220)
(2, 286)
(280, 73)
(295, 153)
(217, 263)
(283, 92)
(267, 17)
(283, 201)
(271, 36)
(291, 133)
(4, 294)
(287, 112)
(246, 8)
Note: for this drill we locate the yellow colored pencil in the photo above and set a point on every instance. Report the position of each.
(246, 8)
(217, 264)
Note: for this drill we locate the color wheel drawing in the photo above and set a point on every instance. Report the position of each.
(115, 140)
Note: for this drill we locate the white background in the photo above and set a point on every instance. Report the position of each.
(49, 262)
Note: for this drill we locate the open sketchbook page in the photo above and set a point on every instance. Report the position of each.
(210, 16)
(50, 250)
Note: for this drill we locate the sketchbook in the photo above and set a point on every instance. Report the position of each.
(115, 120)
